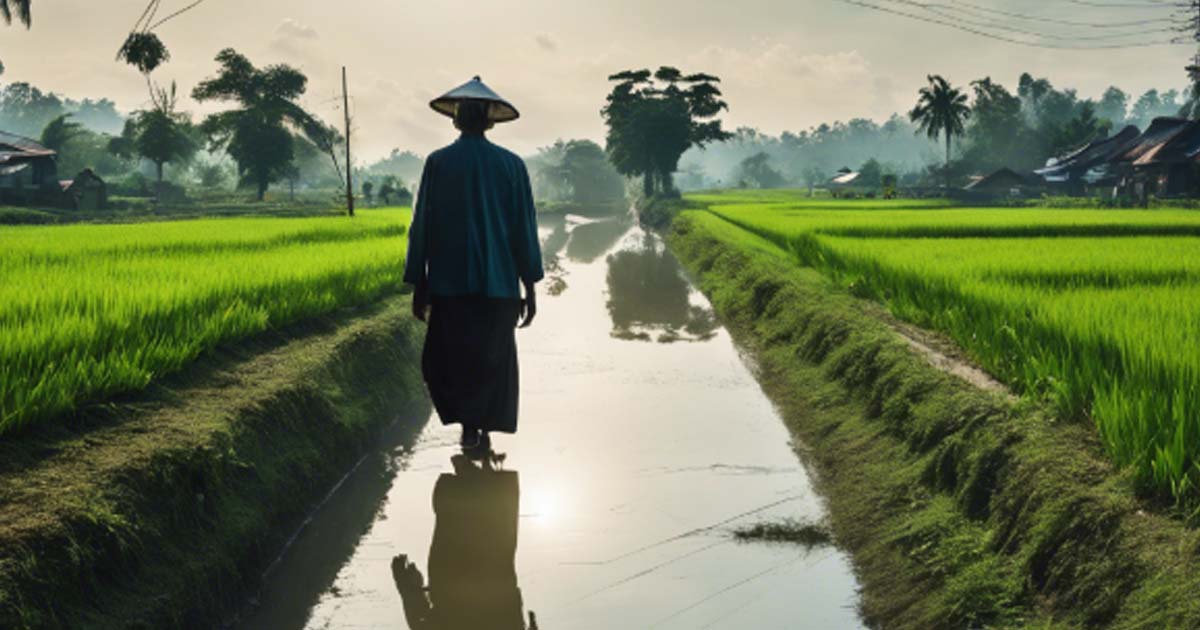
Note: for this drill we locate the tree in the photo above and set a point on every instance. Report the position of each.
(26, 110)
(1145, 107)
(78, 147)
(258, 134)
(1082, 129)
(653, 118)
(812, 176)
(576, 170)
(368, 192)
(998, 134)
(210, 172)
(59, 132)
(870, 174)
(756, 171)
(941, 110)
(387, 188)
(161, 135)
(404, 165)
(1033, 90)
(1113, 105)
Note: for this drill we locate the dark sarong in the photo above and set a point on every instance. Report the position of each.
(470, 361)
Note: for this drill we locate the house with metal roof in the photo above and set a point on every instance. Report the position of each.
(845, 182)
(1164, 161)
(25, 163)
(1088, 165)
(29, 176)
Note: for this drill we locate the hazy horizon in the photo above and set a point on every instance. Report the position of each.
(784, 66)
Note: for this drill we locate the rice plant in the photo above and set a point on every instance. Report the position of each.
(1091, 310)
(89, 311)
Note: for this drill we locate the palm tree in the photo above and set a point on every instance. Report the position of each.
(941, 110)
(259, 133)
(19, 7)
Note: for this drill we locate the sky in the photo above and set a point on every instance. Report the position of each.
(784, 64)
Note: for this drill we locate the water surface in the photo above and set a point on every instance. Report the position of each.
(644, 441)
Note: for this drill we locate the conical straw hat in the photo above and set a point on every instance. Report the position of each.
(499, 110)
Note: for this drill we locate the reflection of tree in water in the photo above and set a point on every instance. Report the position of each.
(646, 292)
(557, 239)
(589, 241)
(554, 242)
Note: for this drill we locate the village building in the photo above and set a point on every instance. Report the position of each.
(844, 183)
(86, 192)
(1164, 162)
(1089, 166)
(29, 177)
(1002, 183)
(28, 170)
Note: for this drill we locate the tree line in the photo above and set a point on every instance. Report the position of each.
(992, 126)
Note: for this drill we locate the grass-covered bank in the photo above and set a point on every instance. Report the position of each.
(961, 508)
(160, 510)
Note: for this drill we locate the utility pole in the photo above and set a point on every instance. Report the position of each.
(349, 162)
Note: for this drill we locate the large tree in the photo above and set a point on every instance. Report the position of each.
(941, 110)
(756, 172)
(59, 132)
(160, 134)
(1113, 106)
(259, 132)
(1080, 130)
(998, 134)
(576, 170)
(653, 118)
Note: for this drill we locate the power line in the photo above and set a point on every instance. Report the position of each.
(1128, 5)
(935, 9)
(1051, 20)
(921, 12)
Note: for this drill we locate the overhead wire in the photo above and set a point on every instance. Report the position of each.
(936, 9)
(1052, 20)
(932, 13)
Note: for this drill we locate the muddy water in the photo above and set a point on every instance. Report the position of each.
(644, 442)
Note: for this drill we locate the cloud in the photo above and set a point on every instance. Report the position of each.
(775, 86)
(295, 40)
(776, 63)
(294, 29)
(545, 43)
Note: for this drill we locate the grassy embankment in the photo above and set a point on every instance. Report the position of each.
(961, 507)
(197, 386)
(1092, 310)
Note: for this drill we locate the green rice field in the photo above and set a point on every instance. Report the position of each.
(90, 311)
(1095, 311)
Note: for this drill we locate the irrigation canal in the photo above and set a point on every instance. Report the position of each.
(644, 441)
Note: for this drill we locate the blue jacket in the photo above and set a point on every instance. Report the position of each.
(474, 227)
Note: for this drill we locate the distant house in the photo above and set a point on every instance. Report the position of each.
(1089, 166)
(28, 170)
(86, 192)
(844, 183)
(1004, 182)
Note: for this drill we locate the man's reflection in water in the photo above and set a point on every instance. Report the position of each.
(472, 576)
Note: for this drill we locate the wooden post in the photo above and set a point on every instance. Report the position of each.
(349, 162)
